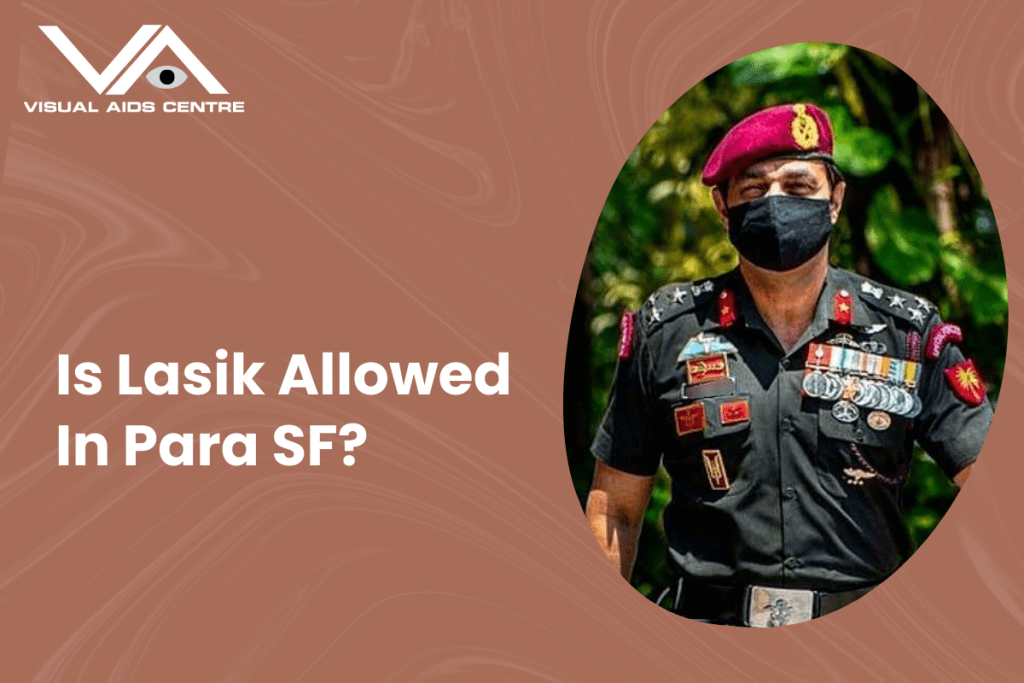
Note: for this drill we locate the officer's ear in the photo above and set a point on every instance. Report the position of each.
(836, 202)
(720, 206)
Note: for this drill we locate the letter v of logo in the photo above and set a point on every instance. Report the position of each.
(165, 39)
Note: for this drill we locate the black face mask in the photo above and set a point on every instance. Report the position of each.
(780, 232)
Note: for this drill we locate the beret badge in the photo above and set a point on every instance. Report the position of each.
(804, 128)
(796, 130)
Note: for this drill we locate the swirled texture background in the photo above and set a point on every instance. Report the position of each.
(409, 182)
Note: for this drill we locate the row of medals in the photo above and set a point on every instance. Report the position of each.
(856, 379)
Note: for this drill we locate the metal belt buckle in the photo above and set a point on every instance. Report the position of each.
(779, 606)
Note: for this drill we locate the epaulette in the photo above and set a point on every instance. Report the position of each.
(672, 301)
(908, 307)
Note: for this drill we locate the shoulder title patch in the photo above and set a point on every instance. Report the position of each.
(939, 336)
(626, 335)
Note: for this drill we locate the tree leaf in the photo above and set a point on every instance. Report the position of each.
(984, 294)
(863, 151)
(785, 61)
(904, 242)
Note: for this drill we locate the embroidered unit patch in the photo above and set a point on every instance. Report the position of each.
(734, 412)
(966, 383)
(700, 370)
(715, 468)
(690, 419)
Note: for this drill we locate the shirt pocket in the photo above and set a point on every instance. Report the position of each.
(854, 451)
(710, 461)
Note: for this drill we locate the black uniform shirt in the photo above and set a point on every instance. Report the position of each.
(792, 514)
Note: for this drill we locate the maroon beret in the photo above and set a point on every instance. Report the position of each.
(801, 130)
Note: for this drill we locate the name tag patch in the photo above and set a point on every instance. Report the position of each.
(690, 419)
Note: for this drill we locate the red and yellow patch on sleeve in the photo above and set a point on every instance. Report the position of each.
(966, 383)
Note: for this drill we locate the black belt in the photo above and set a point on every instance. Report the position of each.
(724, 604)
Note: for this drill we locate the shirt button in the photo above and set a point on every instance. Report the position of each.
(786, 362)
(787, 424)
(789, 493)
(792, 563)
(859, 435)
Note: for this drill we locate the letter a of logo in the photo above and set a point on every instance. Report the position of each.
(165, 39)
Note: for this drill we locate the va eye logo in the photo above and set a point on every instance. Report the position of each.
(163, 77)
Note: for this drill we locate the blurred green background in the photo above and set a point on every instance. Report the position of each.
(916, 216)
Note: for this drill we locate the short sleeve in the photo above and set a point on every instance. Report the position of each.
(625, 438)
(950, 429)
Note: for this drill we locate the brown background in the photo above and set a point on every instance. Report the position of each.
(408, 183)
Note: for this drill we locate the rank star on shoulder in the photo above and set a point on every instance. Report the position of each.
(896, 301)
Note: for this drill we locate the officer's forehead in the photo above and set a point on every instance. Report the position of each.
(783, 168)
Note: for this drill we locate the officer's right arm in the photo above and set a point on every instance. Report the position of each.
(615, 511)
(627, 454)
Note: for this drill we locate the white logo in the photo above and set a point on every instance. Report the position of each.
(166, 38)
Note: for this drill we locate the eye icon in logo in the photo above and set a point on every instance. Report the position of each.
(166, 77)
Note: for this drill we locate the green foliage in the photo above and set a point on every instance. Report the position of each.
(899, 154)
(859, 150)
(786, 61)
(904, 242)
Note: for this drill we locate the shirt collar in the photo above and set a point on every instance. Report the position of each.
(836, 281)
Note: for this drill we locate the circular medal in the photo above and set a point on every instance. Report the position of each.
(844, 411)
(902, 403)
(833, 387)
(884, 401)
(814, 384)
(915, 409)
(879, 420)
(908, 402)
(865, 394)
